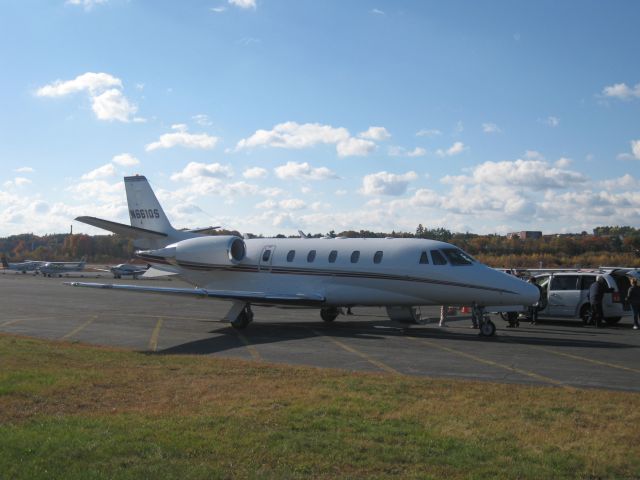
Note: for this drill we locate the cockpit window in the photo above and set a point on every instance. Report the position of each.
(424, 258)
(437, 258)
(457, 256)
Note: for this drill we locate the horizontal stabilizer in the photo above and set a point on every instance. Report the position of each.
(121, 228)
(253, 297)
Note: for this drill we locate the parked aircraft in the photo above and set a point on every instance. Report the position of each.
(125, 269)
(50, 269)
(24, 267)
(326, 273)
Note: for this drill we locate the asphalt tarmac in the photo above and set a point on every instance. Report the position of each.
(555, 352)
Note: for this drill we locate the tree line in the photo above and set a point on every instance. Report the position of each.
(605, 246)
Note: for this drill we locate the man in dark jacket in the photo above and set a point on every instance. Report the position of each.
(596, 295)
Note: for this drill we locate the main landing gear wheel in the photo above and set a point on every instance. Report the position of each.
(329, 314)
(487, 328)
(243, 319)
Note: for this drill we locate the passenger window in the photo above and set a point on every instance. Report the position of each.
(332, 256)
(437, 258)
(424, 258)
(457, 256)
(587, 280)
(291, 255)
(311, 256)
(355, 256)
(377, 258)
(565, 282)
(265, 255)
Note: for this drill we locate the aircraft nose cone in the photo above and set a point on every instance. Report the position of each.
(529, 293)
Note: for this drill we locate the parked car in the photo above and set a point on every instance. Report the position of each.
(566, 294)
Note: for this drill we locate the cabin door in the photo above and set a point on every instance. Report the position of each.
(266, 257)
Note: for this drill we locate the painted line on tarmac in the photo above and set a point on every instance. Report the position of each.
(586, 359)
(80, 328)
(153, 341)
(473, 357)
(252, 350)
(363, 355)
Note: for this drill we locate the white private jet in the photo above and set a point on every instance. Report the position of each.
(326, 273)
(24, 267)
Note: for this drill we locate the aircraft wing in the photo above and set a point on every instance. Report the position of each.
(121, 228)
(253, 297)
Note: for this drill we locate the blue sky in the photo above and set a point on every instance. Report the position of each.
(270, 116)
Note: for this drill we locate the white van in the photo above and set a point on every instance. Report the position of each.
(566, 294)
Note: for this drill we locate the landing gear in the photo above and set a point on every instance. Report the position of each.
(486, 327)
(329, 314)
(244, 318)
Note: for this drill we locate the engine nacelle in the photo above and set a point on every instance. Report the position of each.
(215, 250)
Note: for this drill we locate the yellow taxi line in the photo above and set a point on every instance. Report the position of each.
(363, 355)
(476, 358)
(80, 328)
(153, 341)
(252, 350)
(586, 359)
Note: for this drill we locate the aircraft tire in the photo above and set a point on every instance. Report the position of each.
(241, 322)
(329, 314)
(487, 329)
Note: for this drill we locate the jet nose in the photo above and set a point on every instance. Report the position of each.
(528, 292)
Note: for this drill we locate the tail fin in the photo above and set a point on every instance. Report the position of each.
(144, 209)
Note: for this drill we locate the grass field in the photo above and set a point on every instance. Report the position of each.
(72, 411)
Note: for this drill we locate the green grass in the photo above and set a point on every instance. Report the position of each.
(71, 411)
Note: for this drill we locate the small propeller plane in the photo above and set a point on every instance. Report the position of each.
(400, 274)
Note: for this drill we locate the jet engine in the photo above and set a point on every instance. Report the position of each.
(214, 250)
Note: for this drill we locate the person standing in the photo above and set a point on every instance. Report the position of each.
(444, 309)
(633, 297)
(596, 295)
(535, 308)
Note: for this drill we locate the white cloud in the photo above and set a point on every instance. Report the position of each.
(87, 4)
(17, 182)
(24, 170)
(292, 204)
(551, 121)
(533, 174)
(202, 120)
(563, 162)
(395, 151)
(113, 105)
(621, 91)
(125, 160)
(491, 128)
(104, 90)
(455, 149)
(429, 133)
(184, 139)
(196, 171)
(218, 9)
(303, 171)
(104, 171)
(635, 148)
(355, 147)
(291, 135)
(384, 183)
(267, 204)
(375, 133)
(244, 4)
(255, 172)
(626, 182)
(378, 11)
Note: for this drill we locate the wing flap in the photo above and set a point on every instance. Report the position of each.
(121, 228)
(258, 297)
